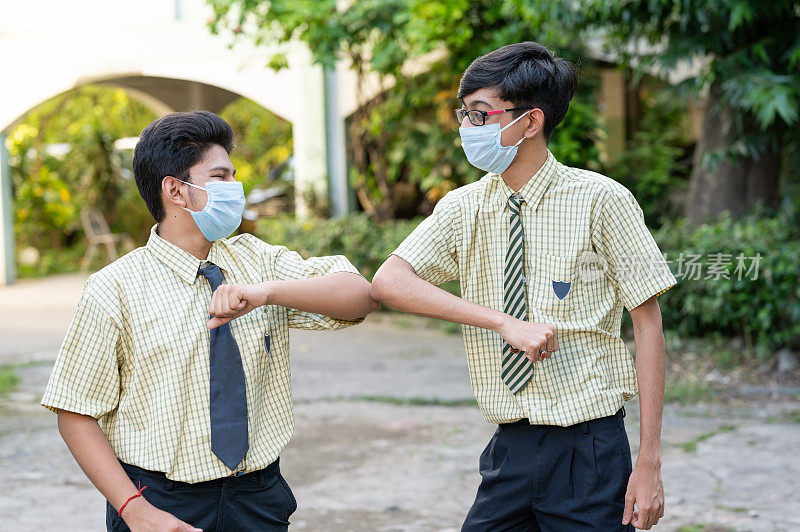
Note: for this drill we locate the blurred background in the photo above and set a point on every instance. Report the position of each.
(346, 138)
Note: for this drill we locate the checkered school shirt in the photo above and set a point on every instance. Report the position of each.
(136, 355)
(581, 228)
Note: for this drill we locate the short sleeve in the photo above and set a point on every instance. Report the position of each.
(634, 263)
(85, 378)
(431, 247)
(289, 265)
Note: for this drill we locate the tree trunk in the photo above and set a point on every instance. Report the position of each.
(735, 185)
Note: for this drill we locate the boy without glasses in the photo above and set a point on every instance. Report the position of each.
(194, 406)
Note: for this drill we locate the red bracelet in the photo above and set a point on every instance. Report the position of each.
(137, 494)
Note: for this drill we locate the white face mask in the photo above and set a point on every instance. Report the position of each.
(222, 214)
(483, 149)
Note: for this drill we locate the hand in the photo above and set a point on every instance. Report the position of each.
(230, 301)
(531, 337)
(646, 489)
(141, 516)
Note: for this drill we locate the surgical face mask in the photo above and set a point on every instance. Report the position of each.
(222, 214)
(483, 149)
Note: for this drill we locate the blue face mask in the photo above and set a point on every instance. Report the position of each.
(222, 214)
(483, 149)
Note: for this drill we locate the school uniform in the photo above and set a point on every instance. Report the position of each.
(138, 356)
(573, 247)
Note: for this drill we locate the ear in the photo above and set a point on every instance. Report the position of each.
(536, 123)
(171, 190)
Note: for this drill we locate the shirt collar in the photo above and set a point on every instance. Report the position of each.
(533, 189)
(183, 263)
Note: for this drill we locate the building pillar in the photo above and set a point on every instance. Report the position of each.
(612, 106)
(338, 182)
(8, 272)
(309, 137)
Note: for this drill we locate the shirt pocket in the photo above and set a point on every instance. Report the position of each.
(553, 285)
(253, 332)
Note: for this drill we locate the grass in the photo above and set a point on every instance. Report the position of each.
(414, 401)
(405, 321)
(706, 528)
(689, 392)
(735, 509)
(691, 445)
(8, 380)
(785, 417)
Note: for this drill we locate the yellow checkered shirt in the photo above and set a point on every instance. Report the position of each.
(136, 355)
(581, 228)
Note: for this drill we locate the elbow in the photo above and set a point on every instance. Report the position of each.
(379, 289)
(371, 304)
(388, 280)
(364, 303)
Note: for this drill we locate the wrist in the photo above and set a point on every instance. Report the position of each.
(266, 293)
(135, 509)
(500, 321)
(649, 458)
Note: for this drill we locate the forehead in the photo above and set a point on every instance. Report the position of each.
(486, 97)
(215, 157)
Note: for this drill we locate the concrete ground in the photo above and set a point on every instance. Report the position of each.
(362, 459)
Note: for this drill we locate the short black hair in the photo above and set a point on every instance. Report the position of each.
(526, 74)
(171, 145)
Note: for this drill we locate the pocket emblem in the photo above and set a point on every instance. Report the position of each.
(561, 288)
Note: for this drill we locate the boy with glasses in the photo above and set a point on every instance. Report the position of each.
(543, 252)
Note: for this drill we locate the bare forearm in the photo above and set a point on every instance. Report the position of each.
(342, 295)
(94, 455)
(650, 355)
(395, 284)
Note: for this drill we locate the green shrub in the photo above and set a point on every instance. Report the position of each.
(764, 311)
(367, 244)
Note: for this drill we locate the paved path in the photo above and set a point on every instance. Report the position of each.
(361, 462)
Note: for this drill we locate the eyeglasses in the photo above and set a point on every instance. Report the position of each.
(478, 118)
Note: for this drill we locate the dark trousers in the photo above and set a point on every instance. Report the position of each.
(553, 478)
(260, 500)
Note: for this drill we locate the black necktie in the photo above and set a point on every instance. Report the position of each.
(228, 398)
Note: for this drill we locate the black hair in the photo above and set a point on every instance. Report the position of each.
(171, 145)
(528, 75)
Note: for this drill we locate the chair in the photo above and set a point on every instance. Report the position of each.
(98, 233)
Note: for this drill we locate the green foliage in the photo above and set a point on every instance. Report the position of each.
(52, 186)
(764, 311)
(746, 54)
(403, 144)
(655, 162)
(263, 141)
(366, 243)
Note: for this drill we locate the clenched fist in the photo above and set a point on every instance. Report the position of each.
(538, 340)
(230, 301)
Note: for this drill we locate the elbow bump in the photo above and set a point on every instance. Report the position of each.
(377, 288)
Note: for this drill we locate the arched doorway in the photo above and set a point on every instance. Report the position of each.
(73, 152)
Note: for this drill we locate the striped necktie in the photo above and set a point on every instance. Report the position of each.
(516, 369)
(229, 437)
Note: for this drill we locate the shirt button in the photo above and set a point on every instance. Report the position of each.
(524, 279)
